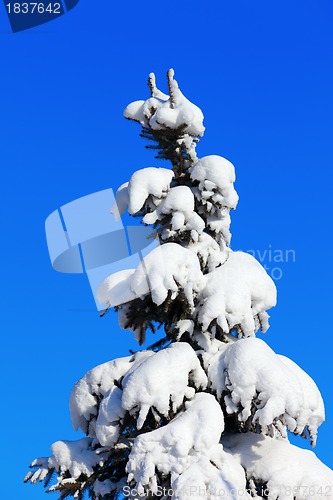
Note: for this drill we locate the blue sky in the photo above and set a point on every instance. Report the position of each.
(262, 73)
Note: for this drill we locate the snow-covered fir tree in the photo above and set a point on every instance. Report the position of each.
(206, 411)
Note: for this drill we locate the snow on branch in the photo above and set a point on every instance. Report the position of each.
(237, 295)
(215, 177)
(110, 416)
(175, 366)
(188, 450)
(179, 203)
(209, 252)
(146, 189)
(88, 392)
(71, 460)
(167, 268)
(213, 180)
(148, 183)
(121, 202)
(262, 387)
(116, 288)
(167, 112)
(312, 413)
(217, 475)
(280, 469)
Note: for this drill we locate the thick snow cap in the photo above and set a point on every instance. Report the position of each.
(215, 176)
(286, 470)
(165, 269)
(258, 385)
(163, 111)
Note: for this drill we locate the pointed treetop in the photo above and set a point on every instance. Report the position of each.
(172, 84)
(152, 84)
(162, 112)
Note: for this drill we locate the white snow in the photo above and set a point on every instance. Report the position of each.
(238, 293)
(219, 222)
(209, 252)
(215, 366)
(87, 392)
(215, 176)
(155, 92)
(148, 182)
(167, 268)
(290, 472)
(162, 380)
(179, 202)
(139, 110)
(178, 199)
(312, 414)
(75, 457)
(41, 472)
(167, 112)
(255, 377)
(103, 488)
(109, 415)
(214, 179)
(121, 203)
(183, 326)
(116, 288)
(187, 448)
(212, 477)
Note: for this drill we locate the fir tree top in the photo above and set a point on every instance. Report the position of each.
(193, 276)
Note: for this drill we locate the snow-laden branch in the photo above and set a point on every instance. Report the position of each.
(188, 450)
(167, 112)
(167, 268)
(237, 294)
(262, 387)
(280, 469)
(179, 203)
(93, 386)
(176, 366)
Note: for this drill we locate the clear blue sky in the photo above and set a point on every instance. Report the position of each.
(262, 72)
